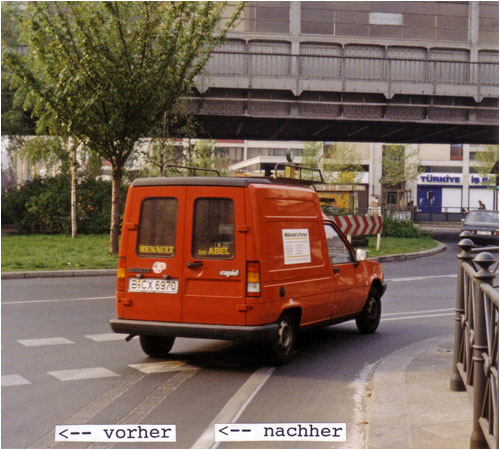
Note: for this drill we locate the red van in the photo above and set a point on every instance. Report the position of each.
(236, 258)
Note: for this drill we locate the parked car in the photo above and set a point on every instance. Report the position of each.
(483, 225)
(240, 259)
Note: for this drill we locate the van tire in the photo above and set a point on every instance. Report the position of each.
(368, 319)
(282, 346)
(157, 346)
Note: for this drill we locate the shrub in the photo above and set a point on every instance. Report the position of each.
(400, 228)
(43, 206)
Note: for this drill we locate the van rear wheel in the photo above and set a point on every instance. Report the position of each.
(368, 319)
(281, 349)
(157, 346)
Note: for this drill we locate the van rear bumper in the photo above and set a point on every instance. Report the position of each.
(195, 330)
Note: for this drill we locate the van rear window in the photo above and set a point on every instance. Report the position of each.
(157, 227)
(213, 228)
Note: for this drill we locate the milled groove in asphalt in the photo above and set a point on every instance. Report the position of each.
(152, 401)
(358, 432)
(93, 408)
(235, 407)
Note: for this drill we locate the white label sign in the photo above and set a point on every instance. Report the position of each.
(116, 433)
(296, 246)
(333, 432)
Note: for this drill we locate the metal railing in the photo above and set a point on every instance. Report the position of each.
(330, 67)
(475, 358)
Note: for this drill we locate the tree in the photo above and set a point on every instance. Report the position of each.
(399, 165)
(342, 164)
(166, 149)
(15, 121)
(484, 161)
(104, 72)
(206, 156)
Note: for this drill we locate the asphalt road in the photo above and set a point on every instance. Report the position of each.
(62, 365)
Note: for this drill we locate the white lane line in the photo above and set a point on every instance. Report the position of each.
(83, 374)
(421, 278)
(45, 341)
(235, 407)
(417, 317)
(23, 302)
(14, 380)
(420, 312)
(106, 337)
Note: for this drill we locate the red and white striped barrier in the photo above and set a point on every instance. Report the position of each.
(358, 225)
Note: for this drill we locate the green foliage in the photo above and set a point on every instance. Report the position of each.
(205, 156)
(399, 164)
(400, 228)
(43, 206)
(484, 161)
(103, 73)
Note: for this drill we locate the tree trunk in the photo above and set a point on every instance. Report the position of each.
(114, 234)
(74, 175)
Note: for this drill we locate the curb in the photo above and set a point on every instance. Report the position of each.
(112, 272)
(58, 274)
(407, 256)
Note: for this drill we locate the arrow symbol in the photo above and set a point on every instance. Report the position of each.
(222, 431)
(63, 435)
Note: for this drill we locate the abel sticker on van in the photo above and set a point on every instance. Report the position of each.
(296, 246)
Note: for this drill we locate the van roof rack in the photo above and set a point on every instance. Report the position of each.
(193, 170)
(290, 175)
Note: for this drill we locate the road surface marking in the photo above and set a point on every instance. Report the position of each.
(235, 407)
(161, 367)
(153, 400)
(106, 337)
(45, 341)
(417, 317)
(420, 278)
(91, 410)
(83, 374)
(420, 312)
(22, 302)
(14, 380)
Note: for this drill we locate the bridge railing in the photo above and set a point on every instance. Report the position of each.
(344, 68)
(475, 359)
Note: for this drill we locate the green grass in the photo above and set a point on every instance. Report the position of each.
(61, 252)
(395, 246)
(56, 252)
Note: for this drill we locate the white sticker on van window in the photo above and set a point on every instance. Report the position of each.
(296, 246)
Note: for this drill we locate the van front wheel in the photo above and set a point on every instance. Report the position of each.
(282, 346)
(157, 346)
(368, 319)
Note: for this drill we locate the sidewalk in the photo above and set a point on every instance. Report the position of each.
(413, 406)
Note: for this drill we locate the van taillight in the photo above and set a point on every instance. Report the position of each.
(253, 279)
(120, 277)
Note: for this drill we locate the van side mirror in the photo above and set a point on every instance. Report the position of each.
(360, 254)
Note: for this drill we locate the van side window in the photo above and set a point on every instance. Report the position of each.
(157, 227)
(213, 228)
(337, 250)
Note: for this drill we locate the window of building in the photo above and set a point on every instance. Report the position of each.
(456, 152)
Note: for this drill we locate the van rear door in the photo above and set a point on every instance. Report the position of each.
(154, 253)
(214, 262)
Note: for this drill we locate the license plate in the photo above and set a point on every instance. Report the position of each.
(484, 233)
(154, 286)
